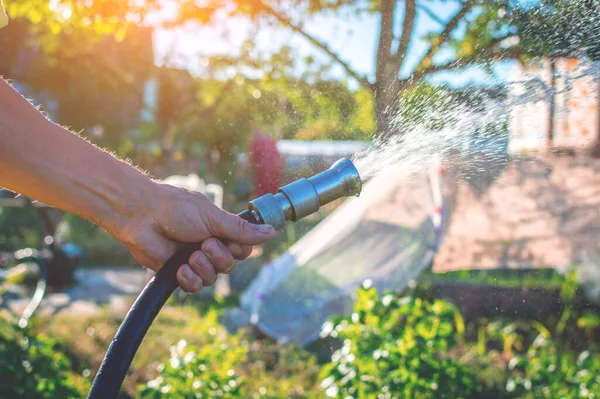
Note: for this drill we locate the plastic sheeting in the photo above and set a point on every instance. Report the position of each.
(388, 235)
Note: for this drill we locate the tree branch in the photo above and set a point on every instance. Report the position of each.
(410, 12)
(314, 41)
(488, 52)
(444, 36)
(431, 14)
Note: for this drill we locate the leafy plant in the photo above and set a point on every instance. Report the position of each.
(31, 366)
(397, 348)
(545, 372)
(198, 372)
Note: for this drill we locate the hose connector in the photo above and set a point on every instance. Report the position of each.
(305, 196)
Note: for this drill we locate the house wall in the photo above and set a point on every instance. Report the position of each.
(576, 123)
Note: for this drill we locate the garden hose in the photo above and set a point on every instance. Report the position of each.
(291, 203)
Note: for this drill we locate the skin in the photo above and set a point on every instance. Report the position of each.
(46, 162)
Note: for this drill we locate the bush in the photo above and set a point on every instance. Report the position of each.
(215, 364)
(397, 348)
(19, 228)
(32, 366)
(545, 373)
(198, 372)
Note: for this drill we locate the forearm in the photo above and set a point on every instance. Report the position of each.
(46, 162)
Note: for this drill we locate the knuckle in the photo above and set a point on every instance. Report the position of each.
(205, 270)
(246, 251)
(225, 265)
(245, 227)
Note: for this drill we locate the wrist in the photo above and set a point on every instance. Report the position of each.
(127, 202)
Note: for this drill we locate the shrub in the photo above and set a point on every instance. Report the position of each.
(198, 372)
(397, 348)
(215, 364)
(32, 366)
(545, 373)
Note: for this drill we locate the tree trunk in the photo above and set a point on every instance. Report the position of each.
(386, 104)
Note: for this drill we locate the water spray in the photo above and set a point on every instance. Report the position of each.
(292, 202)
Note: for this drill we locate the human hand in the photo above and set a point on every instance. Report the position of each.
(172, 217)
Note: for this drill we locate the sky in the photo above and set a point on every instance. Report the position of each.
(353, 38)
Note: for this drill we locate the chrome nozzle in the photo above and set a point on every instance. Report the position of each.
(305, 196)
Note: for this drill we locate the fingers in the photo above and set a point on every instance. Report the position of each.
(202, 266)
(219, 255)
(188, 280)
(231, 227)
(205, 265)
(239, 252)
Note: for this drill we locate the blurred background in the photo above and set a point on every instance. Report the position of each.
(470, 269)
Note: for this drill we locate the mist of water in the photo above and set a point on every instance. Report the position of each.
(444, 133)
(451, 128)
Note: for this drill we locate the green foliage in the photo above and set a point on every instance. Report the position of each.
(545, 373)
(540, 278)
(32, 366)
(99, 247)
(424, 343)
(485, 27)
(20, 228)
(263, 368)
(425, 105)
(199, 372)
(568, 289)
(396, 348)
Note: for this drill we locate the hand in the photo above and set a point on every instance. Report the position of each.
(173, 217)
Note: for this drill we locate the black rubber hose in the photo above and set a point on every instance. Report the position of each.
(117, 360)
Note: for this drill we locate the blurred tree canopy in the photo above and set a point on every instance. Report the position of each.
(97, 78)
(485, 30)
(217, 110)
(96, 62)
(486, 37)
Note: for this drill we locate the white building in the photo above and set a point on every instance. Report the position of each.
(576, 121)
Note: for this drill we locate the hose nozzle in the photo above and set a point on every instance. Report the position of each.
(305, 196)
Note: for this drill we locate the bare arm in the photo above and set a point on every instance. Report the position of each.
(44, 161)
(47, 162)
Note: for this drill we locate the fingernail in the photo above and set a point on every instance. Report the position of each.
(265, 228)
(213, 248)
(195, 258)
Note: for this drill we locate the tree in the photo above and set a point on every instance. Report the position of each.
(95, 78)
(486, 28)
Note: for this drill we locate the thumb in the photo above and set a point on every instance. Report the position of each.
(226, 225)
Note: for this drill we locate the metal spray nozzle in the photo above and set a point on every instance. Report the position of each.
(305, 196)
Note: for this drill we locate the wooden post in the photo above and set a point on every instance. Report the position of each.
(552, 113)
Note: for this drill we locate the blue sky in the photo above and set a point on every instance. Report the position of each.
(353, 38)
